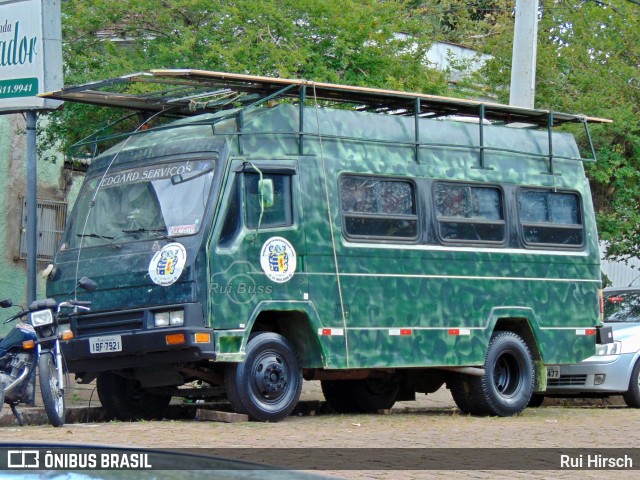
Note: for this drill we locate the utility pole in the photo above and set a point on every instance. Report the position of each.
(523, 61)
(32, 207)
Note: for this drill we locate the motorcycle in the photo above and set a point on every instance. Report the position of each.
(36, 343)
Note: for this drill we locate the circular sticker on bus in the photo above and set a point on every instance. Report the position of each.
(278, 259)
(167, 264)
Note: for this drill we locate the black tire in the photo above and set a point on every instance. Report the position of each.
(536, 400)
(632, 396)
(52, 393)
(506, 387)
(124, 399)
(267, 384)
(368, 395)
(460, 387)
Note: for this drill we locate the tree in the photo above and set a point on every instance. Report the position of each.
(354, 42)
(589, 62)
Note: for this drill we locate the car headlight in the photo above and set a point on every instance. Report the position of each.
(609, 348)
(41, 317)
(173, 318)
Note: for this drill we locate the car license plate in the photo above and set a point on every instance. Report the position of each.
(111, 343)
(553, 371)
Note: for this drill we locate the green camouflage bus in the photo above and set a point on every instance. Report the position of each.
(384, 243)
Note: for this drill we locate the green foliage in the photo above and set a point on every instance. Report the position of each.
(353, 42)
(588, 62)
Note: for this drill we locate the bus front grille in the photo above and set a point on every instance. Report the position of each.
(109, 323)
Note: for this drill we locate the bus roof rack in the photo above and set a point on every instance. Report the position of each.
(189, 92)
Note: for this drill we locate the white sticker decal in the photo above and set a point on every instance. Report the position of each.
(167, 264)
(278, 259)
(182, 230)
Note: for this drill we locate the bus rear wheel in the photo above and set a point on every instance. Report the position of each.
(360, 396)
(267, 384)
(506, 387)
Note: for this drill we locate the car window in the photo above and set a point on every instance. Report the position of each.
(622, 307)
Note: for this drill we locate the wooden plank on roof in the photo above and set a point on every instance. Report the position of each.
(373, 98)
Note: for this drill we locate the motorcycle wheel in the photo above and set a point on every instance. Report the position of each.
(52, 393)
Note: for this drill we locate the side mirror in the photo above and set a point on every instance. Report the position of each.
(6, 303)
(265, 189)
(87, 284)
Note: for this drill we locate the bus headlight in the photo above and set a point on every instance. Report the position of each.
(161, 319)
(173, 318)
(176, 318)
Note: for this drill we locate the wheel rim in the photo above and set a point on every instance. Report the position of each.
(135, 393)
(507, 375)
(270, 378)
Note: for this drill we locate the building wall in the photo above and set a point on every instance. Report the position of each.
(459, 60)
(54, 183)
(13, 280)
(621, 274)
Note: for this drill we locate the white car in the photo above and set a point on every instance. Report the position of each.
(615, 368)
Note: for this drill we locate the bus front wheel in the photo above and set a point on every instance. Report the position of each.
(506, 387)
(267, 384)
(123, 398)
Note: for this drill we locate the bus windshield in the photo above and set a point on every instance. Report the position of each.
(153, 201)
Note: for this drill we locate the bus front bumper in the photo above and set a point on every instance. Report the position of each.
(139, 349)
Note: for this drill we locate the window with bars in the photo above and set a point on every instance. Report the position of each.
(52, 216)
(550, 218)
(469, 213)
(378, 208)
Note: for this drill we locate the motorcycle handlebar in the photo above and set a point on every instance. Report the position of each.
(16, 316)
(81, 303)
(51, 304)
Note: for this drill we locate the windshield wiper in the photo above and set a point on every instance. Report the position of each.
(157, 231)
(109, 240)
(187, 177)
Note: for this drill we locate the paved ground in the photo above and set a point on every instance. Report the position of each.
(432, 421)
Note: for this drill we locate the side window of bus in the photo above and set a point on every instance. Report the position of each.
(548, 217)
(467, 213)
(279, 214)
(374, 208)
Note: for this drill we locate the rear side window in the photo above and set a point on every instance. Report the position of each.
(467, 213)
(550, 218)
(378, 208)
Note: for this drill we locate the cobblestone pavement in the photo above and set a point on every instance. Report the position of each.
(431, 421)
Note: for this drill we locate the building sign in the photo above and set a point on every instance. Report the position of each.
(30, 53)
